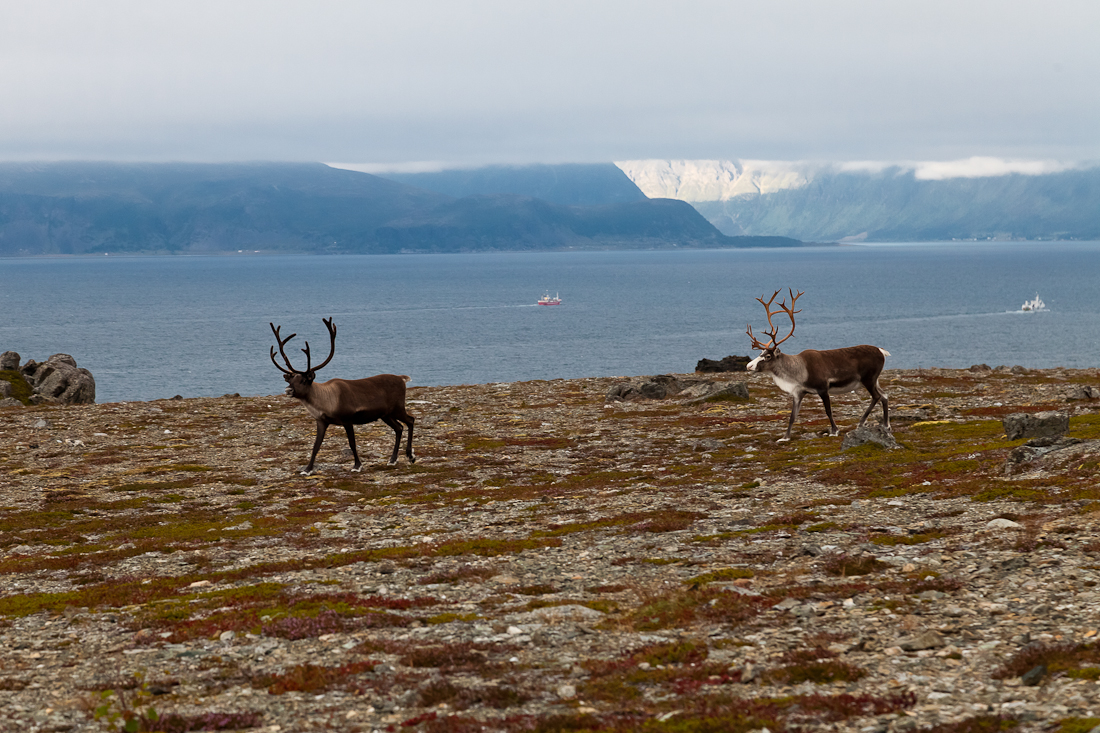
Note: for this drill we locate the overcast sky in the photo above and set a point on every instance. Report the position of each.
(514, 81)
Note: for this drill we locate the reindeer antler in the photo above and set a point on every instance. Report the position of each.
(331, 345)
(282, 343)
(783, 308)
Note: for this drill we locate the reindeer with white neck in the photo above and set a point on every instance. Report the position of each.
(818, 372)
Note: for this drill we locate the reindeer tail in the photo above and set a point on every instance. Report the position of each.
(884, 351)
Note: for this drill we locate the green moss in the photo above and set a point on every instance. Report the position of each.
(720, 575)
(603, 606)
(818, 672)
(155, 485)
(892, 540)
(446, 618)
(483, 444)
(20, 389)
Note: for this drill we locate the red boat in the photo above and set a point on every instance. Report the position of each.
(547, 300)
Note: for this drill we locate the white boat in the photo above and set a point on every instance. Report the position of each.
(547, 300)
(1034, 305)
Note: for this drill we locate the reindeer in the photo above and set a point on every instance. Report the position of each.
(347, 402)
(820, 372)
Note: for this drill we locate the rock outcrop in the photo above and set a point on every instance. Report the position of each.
(1035, 425)
(728, 364)
(56, 380)
(667, 385)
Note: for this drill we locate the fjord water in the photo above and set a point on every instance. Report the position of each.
(154, 327)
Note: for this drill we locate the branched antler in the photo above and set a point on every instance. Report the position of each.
(282, 343)
(309, 369)
(774, 330)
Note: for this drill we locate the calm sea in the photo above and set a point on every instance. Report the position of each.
(154, 327)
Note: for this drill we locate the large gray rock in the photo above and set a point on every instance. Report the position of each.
(59, 380)
(875, 434)
(652, 388)
(722, 392)
(728, 364)
(9, 360)
(1035, 425)
(1083, 392)
(663, 386)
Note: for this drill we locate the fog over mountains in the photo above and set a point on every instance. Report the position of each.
(82, 208)
(980, 198)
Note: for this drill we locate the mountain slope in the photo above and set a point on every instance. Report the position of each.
(825, 203)
(567, 184)
(76, 208)
(66, 208)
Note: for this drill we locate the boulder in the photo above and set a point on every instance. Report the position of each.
(653, 388)
(1083, 392)
(9, 360)
(875, 434)
(59, 380)
(728, 364)
(692, 391)
(1035, 425)
(721, 392)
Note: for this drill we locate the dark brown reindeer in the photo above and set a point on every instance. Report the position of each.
(346, 402)
(819, 372)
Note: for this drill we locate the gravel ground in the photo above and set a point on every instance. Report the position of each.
(555, 561)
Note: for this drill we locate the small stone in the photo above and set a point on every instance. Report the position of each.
(566, 692)
(1034, 676)
(227, 635)
(1002, 523)
(928, 640)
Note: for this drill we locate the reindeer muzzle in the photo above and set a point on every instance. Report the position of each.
(289, 391)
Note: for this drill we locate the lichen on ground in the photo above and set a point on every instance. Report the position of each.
(552, 562)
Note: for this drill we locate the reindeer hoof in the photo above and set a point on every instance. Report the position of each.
(356, 469)
(412, 459)
(783, 440)
(306, 472)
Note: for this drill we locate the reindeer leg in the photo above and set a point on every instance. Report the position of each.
(350, 429)
(397, 437)
(833, 429)
(322, 427)
(877, 396)
(796, 402)
(409, 420)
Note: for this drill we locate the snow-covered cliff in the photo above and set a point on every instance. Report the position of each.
(715, 180)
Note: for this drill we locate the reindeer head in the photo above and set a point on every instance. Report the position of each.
(299, 382)
(771, 349)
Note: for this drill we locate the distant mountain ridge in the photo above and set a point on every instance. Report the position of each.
(568, 184)
(79, 208)
(920, 202)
